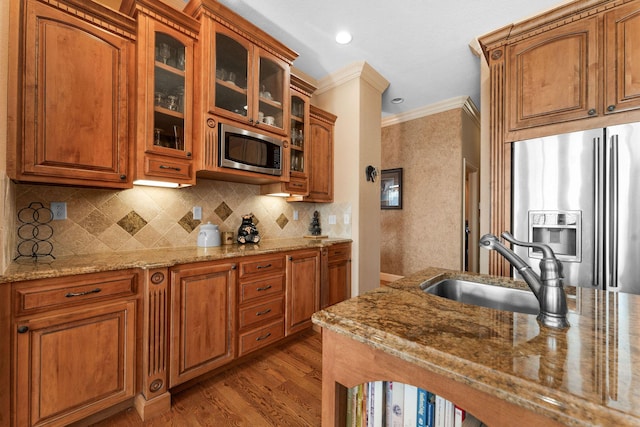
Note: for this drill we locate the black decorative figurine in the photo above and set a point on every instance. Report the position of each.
(248, 232)
(314, 228)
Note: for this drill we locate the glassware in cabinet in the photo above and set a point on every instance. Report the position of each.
(232, 65)
(169, 92)
(297, 130)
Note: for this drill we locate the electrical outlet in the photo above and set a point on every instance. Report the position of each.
(347, 218)
(295, 215)
(332, 219)
(197, 212)
(59, 210)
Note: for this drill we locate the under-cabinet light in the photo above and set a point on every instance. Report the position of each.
(163, 184)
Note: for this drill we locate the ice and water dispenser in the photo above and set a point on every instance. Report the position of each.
(560, 230)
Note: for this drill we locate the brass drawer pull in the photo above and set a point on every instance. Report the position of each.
(264, 337)
(264, 288)
(263, 266)
(79, 294)
(170, 167)
(263, 312)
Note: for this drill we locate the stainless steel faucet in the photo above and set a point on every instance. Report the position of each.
(547, 287)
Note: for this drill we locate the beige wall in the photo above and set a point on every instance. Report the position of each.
(354, 94)
(428, 230)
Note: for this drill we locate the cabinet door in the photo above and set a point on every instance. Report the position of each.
(622, 52)
(76, 110)
(338, 287)
(320, 165)
(202, 319)
(303, 289)
(165, 57)
(233, 62)
(72, 365)
(271, 107)
(553, 77)
(298, 128)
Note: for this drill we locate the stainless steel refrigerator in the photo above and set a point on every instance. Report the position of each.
(580, 193)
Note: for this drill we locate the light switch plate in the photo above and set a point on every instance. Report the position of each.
(295, 215)
(347, 218)
(332, 219)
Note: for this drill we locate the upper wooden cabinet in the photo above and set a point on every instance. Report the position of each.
(243, 80)
(622, 58)
(69, 108)
(298, 183)
(165, 79)
(320, 155)
(541, 88)
(568, 69)
(572, 68)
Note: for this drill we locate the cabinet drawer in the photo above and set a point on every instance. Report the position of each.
(261, 337)
(165, 168)
(339, 252)
(261, 313)
(50, 294)
(261, 288)
(297, 185)
(262, 266)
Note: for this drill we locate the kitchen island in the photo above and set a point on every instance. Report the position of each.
(500, 366)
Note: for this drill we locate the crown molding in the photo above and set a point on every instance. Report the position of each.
(357, 70)
(461, 102)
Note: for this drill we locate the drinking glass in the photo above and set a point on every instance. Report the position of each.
(164, 51)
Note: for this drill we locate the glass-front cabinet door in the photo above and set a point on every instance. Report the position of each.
(232, 77)
(251, 85)
(272, 78)
(169, 93)
(298, 131)
(165, 84)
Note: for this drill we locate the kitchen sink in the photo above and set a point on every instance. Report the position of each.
(482, 294)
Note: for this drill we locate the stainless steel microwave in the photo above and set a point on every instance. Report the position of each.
(249, 151)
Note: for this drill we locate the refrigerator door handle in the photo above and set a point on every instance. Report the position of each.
(611, 237)
(598, 222)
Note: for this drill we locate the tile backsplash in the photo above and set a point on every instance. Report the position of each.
(148, 217)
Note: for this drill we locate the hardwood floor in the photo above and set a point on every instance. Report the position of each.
(280, 387)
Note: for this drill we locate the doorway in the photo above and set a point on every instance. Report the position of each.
(471, 217)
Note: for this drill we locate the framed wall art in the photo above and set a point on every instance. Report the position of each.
(391, 189)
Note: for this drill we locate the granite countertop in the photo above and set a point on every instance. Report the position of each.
(586, 375)
(27, 269)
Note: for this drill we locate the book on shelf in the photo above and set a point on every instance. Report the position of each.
(410, 410)
(394, 404)
(421, 412)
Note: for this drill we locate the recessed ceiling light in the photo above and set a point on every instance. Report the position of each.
(344, 37)
(397, 100)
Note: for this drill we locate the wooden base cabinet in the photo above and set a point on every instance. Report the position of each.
(303, 289)
(261, 300)
(337, 281)
(202, 319)
(75, 347)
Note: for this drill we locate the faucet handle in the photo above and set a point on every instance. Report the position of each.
(546, 250)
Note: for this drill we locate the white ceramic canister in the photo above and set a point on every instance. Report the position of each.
(209, 235)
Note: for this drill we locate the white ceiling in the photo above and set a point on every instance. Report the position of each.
(420, 46)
